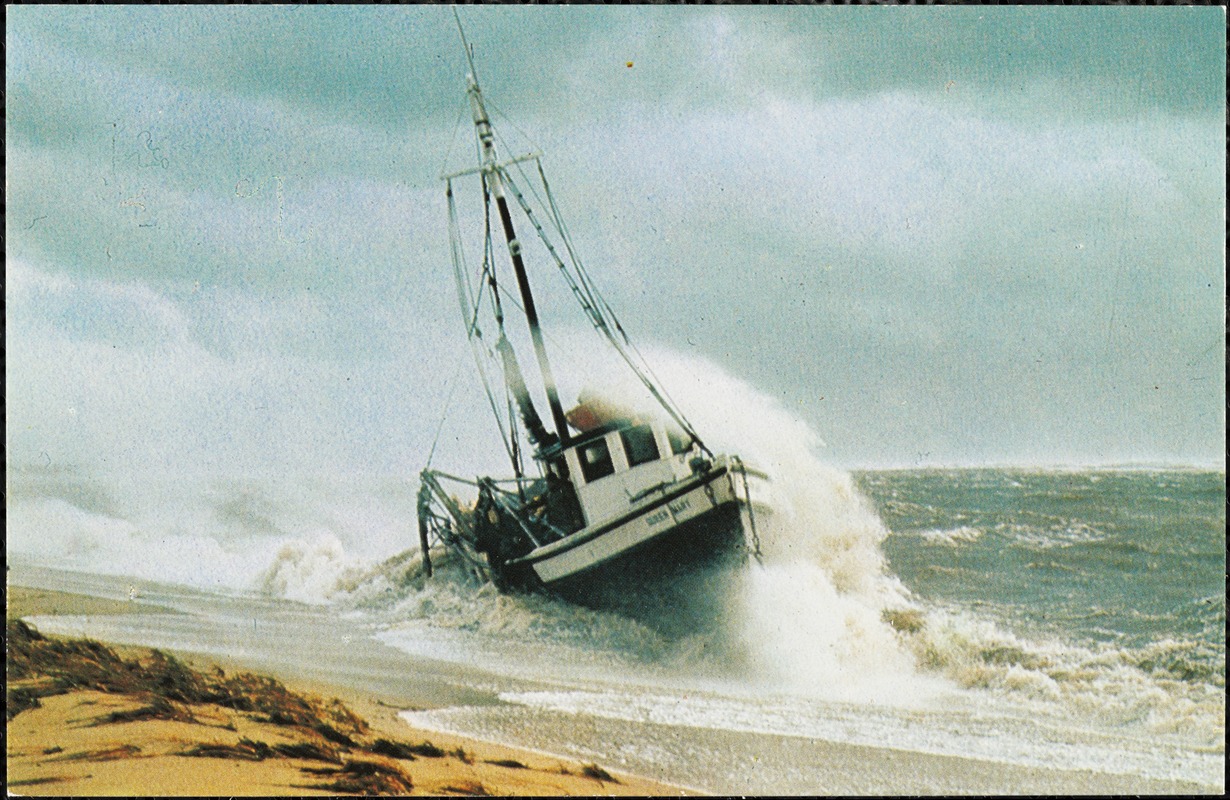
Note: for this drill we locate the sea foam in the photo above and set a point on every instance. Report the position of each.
(809, 614)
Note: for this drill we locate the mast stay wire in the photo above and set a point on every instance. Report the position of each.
(513, 445)
(586, 292)
(594, 296)
(487, 278)
(560, 347)
(473, 333)
(593, 308)
(448, 401)
(452, 141)
(591, 299)
(562, 227)
(588, 296)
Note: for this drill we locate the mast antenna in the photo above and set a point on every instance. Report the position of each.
(494, 177)
(465, 45)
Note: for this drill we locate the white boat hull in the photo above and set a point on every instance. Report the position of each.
(664, 561)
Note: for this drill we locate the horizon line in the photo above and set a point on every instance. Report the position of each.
(1115, 465)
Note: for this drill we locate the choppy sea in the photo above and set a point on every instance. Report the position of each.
(1070, 618)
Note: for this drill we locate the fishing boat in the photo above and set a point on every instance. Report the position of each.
(610, 507)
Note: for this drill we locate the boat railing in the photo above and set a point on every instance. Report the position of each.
(738, 467)
(454, 528)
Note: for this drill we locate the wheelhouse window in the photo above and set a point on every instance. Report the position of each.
(639, 445)
(595, 460)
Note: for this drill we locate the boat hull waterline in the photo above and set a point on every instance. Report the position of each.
(587, 550)
(680, 582)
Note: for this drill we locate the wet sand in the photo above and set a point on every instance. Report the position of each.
(25, 601)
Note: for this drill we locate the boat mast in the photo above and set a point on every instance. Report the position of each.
(492, 171)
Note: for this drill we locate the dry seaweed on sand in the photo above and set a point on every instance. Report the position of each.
(363, 777)
(62, 665)
(159, 708)
(67, 664)
(56, 666)
(250, 750)
(333, 734)
(343, 718)
(506, 762)
(167, 676)
(424, 749)
(387, 747)
(598, 773)
(157, 686)
(24, 698)
(164, 685)
(105, 754)
(268, 699)
(427, 750)
(308, 752)
(246, 750)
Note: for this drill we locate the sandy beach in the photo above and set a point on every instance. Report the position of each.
(145, 740)
(141, 740)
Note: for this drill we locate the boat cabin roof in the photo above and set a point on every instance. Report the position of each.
(593, 434)
(679, 442)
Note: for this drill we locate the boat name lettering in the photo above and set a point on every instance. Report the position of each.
(657, 517)
(680, 506)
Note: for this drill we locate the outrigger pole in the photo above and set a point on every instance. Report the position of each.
(492, 170)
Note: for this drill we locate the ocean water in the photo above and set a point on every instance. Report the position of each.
(1094, 596)
(1063, 618)
(1058, 618)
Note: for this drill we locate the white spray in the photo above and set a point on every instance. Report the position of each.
(812, 613)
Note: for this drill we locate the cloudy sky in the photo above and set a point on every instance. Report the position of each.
(934, 235)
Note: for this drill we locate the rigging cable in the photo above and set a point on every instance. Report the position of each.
(601, 302)
(456, 127)
(473, 334)
(512, 442)
(448, 401)
(593, 310)
(595, 306)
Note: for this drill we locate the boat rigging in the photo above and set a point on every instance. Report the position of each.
(624, 503)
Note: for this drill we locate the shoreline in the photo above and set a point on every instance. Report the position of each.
(836, 767)
(83, 741)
